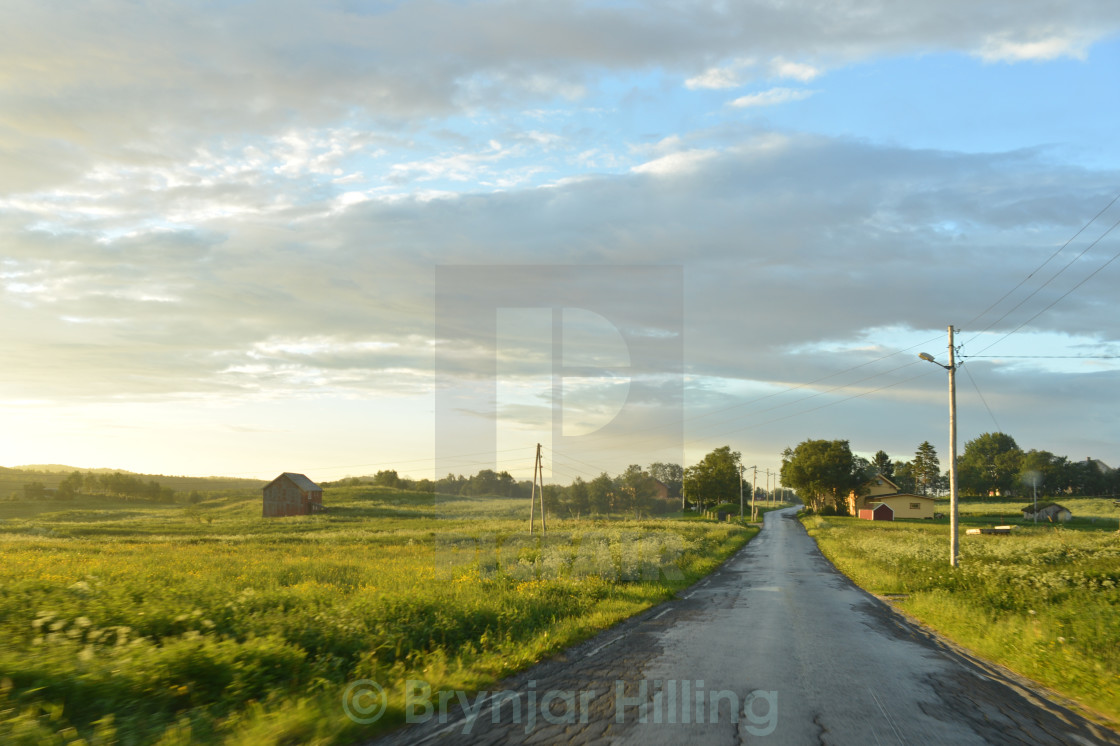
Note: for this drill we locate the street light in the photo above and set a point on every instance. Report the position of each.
(954, 540)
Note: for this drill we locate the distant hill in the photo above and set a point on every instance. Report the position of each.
(63, 469)
(13, 479)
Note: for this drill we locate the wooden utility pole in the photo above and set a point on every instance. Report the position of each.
(533, 493)
(740, 491)
(954, 513)
(754, 489)
(954, 540)
(538, 472)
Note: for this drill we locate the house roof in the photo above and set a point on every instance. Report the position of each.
(886, 479)
(299, 480)
(1102, 467)
(874, 498)
(1045, 507)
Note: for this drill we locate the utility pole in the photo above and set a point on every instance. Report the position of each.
(954, 514)
(754, 490)
(538, 471)
(740, 492)
(954, 518)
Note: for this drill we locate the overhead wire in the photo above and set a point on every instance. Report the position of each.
(1063, 295)
(982, 399)
(1037, 269)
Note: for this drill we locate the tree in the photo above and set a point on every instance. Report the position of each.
(824, 473)
(387, 478)
(883, 465)
(578, 497)
(637, 487)
(71, 486)
(904, 476)
(925, 469)
(600, 493)
(715, 479)
(989, 465)
(1043, 471)
(34, 491)
(671, 475)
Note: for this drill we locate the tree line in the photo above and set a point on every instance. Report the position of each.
(656, 489)
(994, 464)
(77, 485)
(825, 472)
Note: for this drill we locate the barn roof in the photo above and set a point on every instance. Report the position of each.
(299, 480)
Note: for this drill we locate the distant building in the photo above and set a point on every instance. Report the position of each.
(882, 491)
(292, 494)
(1101, 466)
(1050, 512)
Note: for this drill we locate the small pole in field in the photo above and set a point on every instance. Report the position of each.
(540, 470)
(533, 493)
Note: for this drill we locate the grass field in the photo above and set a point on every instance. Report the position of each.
(1043, 601)
(172, 624)
(1093, 513)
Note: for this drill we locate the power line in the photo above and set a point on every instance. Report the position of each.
(723, 410)
(1045, 357)
(1066, 293)
(985, 401)
(1035, 271)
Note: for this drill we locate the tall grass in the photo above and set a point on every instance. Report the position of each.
(211, 624)
(1044, 602)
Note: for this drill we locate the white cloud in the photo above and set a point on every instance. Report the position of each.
(716, 78)
(772, 97)
(675, 163)
(782, 68)
(1002, 48)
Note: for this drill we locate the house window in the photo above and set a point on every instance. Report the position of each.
(915, 506)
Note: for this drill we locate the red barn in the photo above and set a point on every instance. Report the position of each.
(292, 494)
(881, 512)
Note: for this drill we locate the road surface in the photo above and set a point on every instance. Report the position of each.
(776, 647)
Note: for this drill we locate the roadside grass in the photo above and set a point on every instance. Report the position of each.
(1042, 601)
(137, 624)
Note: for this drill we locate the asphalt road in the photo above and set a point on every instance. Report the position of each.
(776, 647)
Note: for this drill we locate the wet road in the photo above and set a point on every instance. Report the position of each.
(776, 647)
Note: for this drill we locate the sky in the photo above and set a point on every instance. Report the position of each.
(240, 238)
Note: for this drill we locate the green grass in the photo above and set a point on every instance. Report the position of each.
(1042, 601)
(1088, 512)
(207, 623)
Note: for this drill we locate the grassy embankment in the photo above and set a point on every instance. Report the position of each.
(1042, 601)
(130, 623)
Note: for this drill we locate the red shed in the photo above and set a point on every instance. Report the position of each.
(881, 512)
(292, 494)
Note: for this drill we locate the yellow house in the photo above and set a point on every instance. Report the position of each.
(882, 491)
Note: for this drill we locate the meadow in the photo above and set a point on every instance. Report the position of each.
(135, 624)
(1043, 601)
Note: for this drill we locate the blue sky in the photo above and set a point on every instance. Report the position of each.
(219, 230)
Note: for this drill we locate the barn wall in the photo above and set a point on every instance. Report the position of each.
(283, 497)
